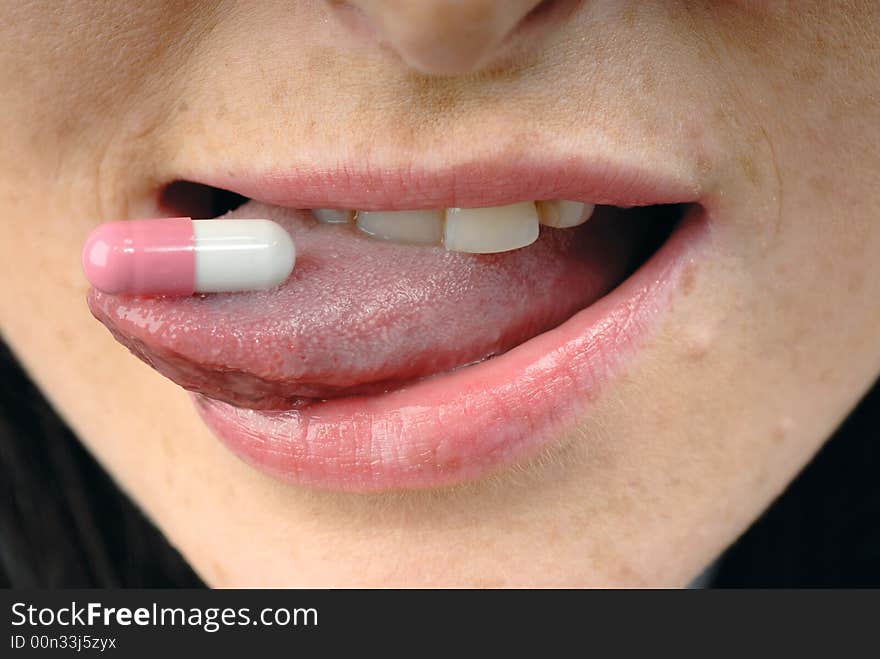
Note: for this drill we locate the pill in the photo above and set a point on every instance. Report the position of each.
(182, 256)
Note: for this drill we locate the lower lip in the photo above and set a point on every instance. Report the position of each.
(463, 425)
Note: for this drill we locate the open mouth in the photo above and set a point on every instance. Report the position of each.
(412, 347)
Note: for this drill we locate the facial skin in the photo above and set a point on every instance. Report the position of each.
(771, 338)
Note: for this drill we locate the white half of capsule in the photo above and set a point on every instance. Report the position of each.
(241, 255)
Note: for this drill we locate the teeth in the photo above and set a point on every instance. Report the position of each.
(332, 215)
(563, 214)
(421, 227)
(473, 230)
(490, 230)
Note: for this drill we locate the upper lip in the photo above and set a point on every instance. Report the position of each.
(490, 181)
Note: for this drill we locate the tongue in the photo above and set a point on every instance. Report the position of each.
(359, 315)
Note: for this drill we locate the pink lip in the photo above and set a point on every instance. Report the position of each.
(462, 425)
(459, 425)
(469, 185)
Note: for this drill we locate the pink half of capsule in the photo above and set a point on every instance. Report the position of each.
(180, 256)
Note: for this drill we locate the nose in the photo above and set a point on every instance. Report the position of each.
(444, 37)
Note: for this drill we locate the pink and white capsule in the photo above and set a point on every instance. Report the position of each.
(182, 256)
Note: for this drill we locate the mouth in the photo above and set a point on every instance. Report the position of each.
(434, 330)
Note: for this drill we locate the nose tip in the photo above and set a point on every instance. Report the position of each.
(444, 37)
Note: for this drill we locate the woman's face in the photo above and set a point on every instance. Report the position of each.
(638, 419)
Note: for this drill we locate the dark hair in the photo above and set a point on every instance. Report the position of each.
(64, 523)
(825, 528)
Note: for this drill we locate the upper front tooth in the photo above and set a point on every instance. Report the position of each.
(562, 214)
(490, 230)
(332, 215)
(422, 227)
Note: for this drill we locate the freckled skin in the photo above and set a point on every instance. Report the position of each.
(768, 343)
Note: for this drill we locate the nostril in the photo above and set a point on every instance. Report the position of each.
(538, 10)
(549, 11)
(445, 37)
(198, 201)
